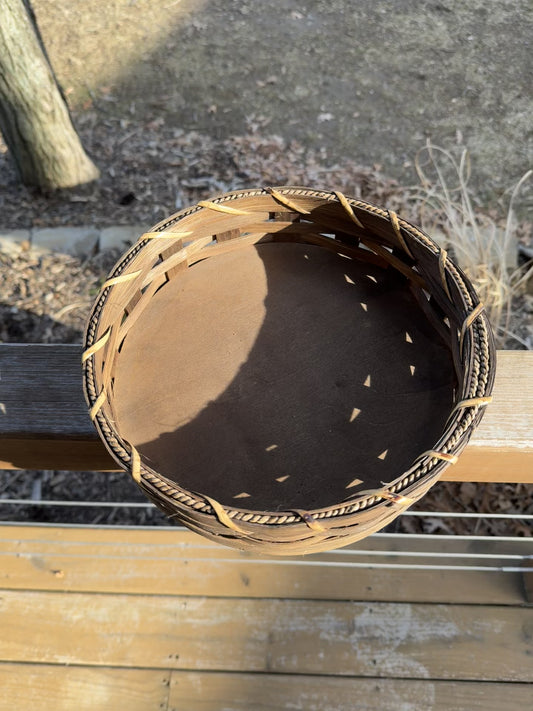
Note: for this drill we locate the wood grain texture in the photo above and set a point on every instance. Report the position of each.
(182, 563)
(392, 640)
(195, 691)
(44, 422)
(179, 536)
(501, 449)
(62, 454)
(43, 419)
(41, 392)
(47, 687)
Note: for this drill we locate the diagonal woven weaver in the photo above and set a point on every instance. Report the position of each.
(287, 369)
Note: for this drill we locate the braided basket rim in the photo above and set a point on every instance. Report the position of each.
(462, 422)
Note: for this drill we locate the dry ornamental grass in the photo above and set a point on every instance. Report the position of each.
(485, 246)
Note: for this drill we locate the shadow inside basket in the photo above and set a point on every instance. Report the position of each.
(282, 376)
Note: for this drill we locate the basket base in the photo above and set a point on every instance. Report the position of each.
(279, 376)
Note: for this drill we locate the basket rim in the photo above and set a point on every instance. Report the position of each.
(427, 467)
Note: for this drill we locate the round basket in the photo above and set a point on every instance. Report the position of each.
(286, 370)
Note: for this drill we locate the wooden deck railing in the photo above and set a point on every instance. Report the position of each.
(44, 422)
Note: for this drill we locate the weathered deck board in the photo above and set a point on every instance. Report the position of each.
(183, 537)
(44, 422)
(111, 647)
(43, 405)
(392, 640)
(42, 392)
(51, 687)
(47, 687)
(193, 691)
(178, 562)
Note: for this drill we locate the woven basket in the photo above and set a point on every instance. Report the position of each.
(286, 370)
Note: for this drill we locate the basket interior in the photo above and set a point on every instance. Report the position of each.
(281, 376)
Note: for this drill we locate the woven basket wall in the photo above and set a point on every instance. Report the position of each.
(286, 370)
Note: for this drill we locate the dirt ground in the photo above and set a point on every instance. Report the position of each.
(368, 80)
(178, 101)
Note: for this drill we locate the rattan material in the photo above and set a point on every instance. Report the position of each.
(286, 370)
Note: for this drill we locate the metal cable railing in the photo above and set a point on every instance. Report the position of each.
(148, 505)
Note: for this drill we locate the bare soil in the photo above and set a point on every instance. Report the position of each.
(369, 80)
(149, 170)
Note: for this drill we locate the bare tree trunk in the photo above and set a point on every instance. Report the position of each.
(34, 119)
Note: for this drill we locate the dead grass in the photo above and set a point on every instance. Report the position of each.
(484, 244)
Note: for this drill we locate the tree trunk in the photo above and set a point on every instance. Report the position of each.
(34, 119)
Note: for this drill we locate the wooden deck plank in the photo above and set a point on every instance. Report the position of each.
(442, 553)
(45, 687)
(236, 579)
(194, 691)
(179, 536)
(392, 640)
(44, 406)
(181, 563)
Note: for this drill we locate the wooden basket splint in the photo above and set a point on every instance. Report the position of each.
(288, 369)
